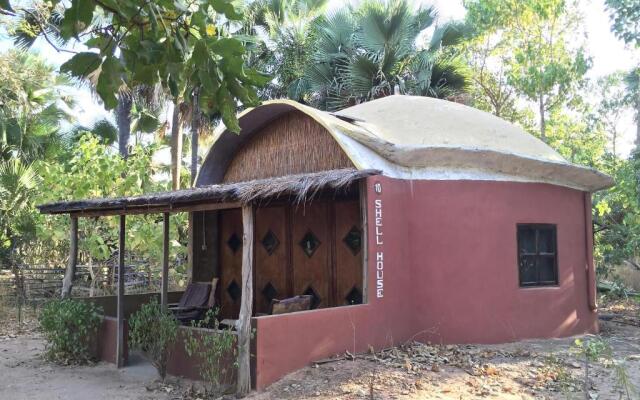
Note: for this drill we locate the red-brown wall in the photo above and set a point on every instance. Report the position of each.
(188, 366)
(107, 335)
(464, 256)
(450, 274)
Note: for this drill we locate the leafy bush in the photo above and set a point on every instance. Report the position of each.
(214, 348)
(153, 331)
(70, 328)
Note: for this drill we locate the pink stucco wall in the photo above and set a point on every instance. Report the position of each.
(450, 274)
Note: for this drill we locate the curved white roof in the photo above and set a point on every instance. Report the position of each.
(411, 137)
(412, 121)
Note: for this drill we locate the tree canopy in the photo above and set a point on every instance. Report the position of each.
(177, 44)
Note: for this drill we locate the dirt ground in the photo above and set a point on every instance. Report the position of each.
(536, 369)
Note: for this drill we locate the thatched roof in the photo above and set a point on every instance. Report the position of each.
(299, 188)
(418, 138)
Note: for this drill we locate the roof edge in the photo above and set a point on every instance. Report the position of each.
(329, 122)
(374, 152)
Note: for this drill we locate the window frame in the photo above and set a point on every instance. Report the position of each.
(537, 227)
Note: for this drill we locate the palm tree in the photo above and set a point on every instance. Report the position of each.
(283, 42)
(38, 21)
(200, 126)
(102, 129)
(33, 103)
(380, 48)
(123, 120)
(18, 185)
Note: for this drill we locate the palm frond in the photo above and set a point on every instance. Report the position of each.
(447, 34)
(18, 182)
(363, 72)
(450, 76)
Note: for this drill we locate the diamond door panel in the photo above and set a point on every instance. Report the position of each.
(230, 286)
(311, 252)
(349, 250)
(270, 257)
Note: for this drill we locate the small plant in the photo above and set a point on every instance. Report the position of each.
(595, 349)
(153, 331)
(70, 328)
(591, 350)
(618, 289)
(214, 350)
(623, 381)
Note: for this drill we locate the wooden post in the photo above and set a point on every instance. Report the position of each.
(70, 273)
(190, 247)
(165, 264)
(243, 326)
(120, 310)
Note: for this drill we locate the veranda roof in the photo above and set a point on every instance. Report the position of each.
(300, 187)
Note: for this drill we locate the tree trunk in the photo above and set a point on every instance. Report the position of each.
(543, 123)
(195, 127)
(123, 120)
(638, 123)
(176, 146)
(70, 273)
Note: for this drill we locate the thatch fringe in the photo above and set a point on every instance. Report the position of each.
(301, 187)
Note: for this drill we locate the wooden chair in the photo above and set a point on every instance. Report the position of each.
(197, 299)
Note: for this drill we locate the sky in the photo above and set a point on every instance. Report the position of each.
(608, 53)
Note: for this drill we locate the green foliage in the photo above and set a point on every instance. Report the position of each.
(70, 328)
(178, 44)
(598, 349)
(625, 17)
(576, 138)
(617, 215)
(31, 99)
(593, 348)
(535, 43)
(284, 42)
(18, 186)
(214, 348)
(363, 53)
(618, 289)
(93, 169)
(102, 129)
(611, 106)
(154, 331)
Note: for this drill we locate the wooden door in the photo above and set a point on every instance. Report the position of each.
(230, 287)
(348, 253)
(271, 257)
(311, 252)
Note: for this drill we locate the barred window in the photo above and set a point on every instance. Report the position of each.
(537, 255)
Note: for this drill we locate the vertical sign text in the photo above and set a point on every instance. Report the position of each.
(379, 242)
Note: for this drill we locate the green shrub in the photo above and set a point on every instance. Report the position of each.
(215, 349)
(70, 328)
(153, 331)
